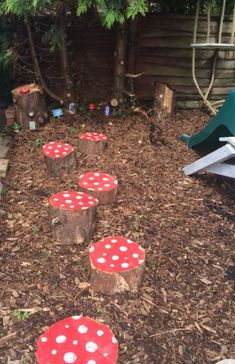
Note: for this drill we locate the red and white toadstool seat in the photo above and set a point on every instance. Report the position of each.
(59, 158)
(72, 216)
(101, 185)
(77, 340)
(117, 265)
(92, 143)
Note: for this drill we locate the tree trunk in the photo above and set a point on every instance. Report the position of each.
(120, 61)
(36, 66)
(69, 94)
(31, 110)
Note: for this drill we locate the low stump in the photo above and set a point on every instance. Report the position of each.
(59, 159)
(92, 143)
(117, 265)
(101, 185)
(72, 216)
(77, 340)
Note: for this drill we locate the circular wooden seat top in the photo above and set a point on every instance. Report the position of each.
(93, 136)
(77, 340)
(57, 149)
(116, 254)
(72, 200)
(97, 181)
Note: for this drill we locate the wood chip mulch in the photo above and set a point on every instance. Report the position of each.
(184, 312)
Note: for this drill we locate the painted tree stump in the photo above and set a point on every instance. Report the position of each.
(92, 143)
(72, 216)
(59, 159)
(30, 106)
(101, 185)
(77, 340)
(117, 265)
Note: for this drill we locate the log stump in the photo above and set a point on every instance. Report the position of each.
(92, 143)
(117, 265)
(73, 216)
(59, 159)
(163, 101)
(101, 185)
(30, 106)
(78, 340)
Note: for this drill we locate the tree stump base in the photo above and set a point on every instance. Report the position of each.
(30, 106)
(117, 265)
(101, 185)
(72, 216)
(92, 143)
(77, 339)
(59, 159)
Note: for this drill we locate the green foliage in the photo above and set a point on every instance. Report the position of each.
(38, 143)
(47, 252)
(52, 37)
(21, 315)
(35, 229)
(116, 11)
(23, 7)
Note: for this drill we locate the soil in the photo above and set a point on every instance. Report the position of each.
(184, 311)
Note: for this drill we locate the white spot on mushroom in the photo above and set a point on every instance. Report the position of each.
(75, 342)
(101, 260)
(91, 249)
(129, 241)
(100, 332)
(66, 326)
(68, 201)
(123, 248)
(82, 329)
(91, 362)
(105, 354)
(70, 358)
(54, 352)
(107, 246)
(91, 347)
(115, 257)
(61, 339)
(113, 240)
(135, 255)
(76, 317)
(124, 265)
(66, 195)
(44, 339)
(96, 174)
(114, 340)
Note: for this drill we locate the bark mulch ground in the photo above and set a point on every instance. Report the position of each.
(184, 310)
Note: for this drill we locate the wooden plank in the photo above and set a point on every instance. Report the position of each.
(152, 70)
(3, 167)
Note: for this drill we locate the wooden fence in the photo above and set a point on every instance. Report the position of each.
(158, 46)
(164, 54)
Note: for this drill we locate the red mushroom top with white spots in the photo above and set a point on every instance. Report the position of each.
(116, 254)
(97, 181)
(77, 340)
(72, 200)
(93, 136)
(57, 149)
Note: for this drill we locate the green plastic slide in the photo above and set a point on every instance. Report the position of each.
(221, 125)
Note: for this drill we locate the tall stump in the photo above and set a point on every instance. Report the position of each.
(77, 340)
(72, 216)
(92, 143)
(30, 106)
(59, 159)
(101, 185)
(117, 265)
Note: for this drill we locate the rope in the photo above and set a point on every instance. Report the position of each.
(194, 61)
(208, 23)
(221, 21)
(233, 26)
